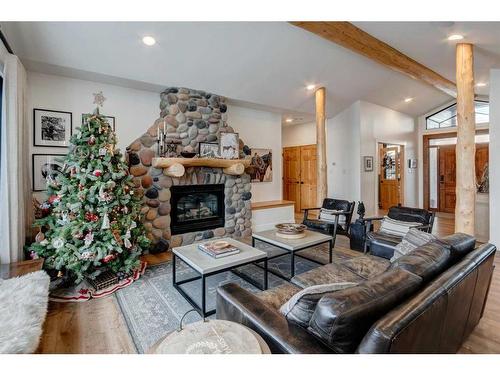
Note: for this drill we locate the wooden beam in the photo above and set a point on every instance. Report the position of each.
(466, 147)
(322, 188)
(351, 37)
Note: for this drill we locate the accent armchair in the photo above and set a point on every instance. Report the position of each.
(383, 244)
(340, 209)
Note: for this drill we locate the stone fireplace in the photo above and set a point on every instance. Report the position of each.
(196, 207)
(204, 202)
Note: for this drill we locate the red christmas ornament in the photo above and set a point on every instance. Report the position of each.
(54, 199)
(108, 258)
(97, 173)
(89, 216)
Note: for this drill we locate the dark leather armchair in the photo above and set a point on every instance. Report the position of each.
(382, 244)
(328, 227)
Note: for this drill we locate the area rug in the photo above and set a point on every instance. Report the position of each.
(152, 307)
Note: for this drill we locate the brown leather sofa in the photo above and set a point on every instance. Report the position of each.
(426, 302)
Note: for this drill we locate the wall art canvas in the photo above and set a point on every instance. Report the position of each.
(208, 150)
(51, 128)
(110, 119)
(368, 163)
(45, 167)
(261, 167)
(229, 147)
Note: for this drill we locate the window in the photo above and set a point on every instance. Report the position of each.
(447, 118)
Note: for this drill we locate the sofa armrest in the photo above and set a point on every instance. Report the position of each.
(239, 305)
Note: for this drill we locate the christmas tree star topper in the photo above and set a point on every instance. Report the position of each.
(99, 99)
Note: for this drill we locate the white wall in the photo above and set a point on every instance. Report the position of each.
(136, 110)
(299, 135)
(260, 129)
(343, 154)
(494, 156)
(383, 125)
(354, 133)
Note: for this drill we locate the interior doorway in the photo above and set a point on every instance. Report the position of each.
(300, 176)
(391, 175)
(440, 168)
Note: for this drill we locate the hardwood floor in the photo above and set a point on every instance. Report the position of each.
(98, 326)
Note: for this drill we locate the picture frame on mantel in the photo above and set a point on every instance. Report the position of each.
(52, 128)
(368, 163)
(229, 145)
(208, 150)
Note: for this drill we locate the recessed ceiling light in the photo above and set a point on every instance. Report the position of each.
(289, 120)
(310, 87)
(407, 100)
(455, 37)
(148, 40)
(481, 84)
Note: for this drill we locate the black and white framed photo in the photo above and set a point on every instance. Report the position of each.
(110, 119)
(45, 165)
(368, 163)
(229, 146)
(51, 128)
(208, 150)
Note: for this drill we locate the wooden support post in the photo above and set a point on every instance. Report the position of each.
(466, 147)
(321, 144)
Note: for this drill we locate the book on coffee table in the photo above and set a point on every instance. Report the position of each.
(218, 249)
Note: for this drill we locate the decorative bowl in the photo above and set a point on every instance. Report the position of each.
(188, 155)
(290, 228)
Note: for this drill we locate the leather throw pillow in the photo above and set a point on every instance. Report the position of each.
(300, 308)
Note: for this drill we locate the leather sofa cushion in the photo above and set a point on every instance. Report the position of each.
(328, 274)
(410, 214)
(276, 297)
(342, 318)
(300, 308)
(322, 226)
(367, 266)
(460, 244)
(425, 261)
(384, 238)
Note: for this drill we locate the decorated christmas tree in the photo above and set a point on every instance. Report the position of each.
(91, 221)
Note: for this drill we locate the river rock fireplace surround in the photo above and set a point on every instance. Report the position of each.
(192, 116)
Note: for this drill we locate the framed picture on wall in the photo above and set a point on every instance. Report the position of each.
(51, 128)
(229, 146)
(368, 163)
(110, 119)
(261, 167)
(45, 166)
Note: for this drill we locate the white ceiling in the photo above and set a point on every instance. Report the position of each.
(263, 64)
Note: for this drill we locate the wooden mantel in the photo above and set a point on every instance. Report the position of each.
(175, 167)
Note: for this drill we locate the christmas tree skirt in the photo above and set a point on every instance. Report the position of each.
(85, 291)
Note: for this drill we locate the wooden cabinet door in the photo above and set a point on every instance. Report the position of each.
(447, 178)
(291, 175)
(309, 175)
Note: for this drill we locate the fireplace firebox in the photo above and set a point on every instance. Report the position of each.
(196, 207)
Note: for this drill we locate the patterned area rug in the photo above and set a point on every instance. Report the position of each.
(152, 307)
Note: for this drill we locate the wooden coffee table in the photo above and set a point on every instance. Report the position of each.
(293, 247)
(205, 265)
